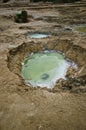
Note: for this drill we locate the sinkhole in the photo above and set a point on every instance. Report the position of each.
(44, 69)
(54, 68)
(38, 35)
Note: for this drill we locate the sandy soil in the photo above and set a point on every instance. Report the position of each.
(26, 108)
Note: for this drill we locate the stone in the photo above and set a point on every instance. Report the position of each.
(45, 76)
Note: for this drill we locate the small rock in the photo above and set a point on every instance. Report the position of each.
(45, 76)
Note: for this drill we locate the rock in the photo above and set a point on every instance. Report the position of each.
(45, 76)
(67, 29)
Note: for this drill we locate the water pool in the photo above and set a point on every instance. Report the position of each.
(81, 29)
(44, 69)
(38, 35)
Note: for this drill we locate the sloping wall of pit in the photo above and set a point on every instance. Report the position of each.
(76, 78)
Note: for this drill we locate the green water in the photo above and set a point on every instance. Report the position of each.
(43, 69)
(81, 29)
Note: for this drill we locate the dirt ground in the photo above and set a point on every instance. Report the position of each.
(27, 108)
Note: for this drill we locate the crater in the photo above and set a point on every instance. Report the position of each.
(21, 57)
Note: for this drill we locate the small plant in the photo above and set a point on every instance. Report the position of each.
(22, 17)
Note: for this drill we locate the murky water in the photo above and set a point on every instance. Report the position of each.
(38, 35)
(44, 69)
(81, 29)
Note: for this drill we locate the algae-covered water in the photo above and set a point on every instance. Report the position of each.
(38, 35)
(44, 69)
(81, 29)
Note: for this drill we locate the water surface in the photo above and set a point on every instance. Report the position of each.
(38, 35)
(81, 29)
(43, 69)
